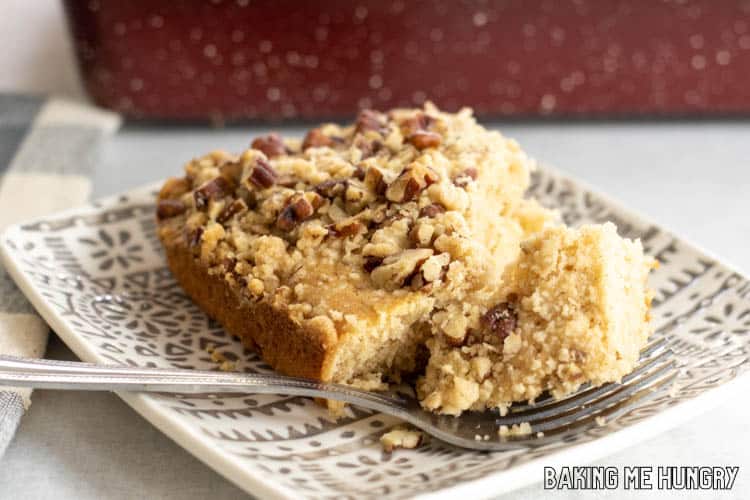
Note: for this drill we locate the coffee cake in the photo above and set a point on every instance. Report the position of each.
(358, 252)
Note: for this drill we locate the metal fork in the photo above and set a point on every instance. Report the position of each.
(549, 418)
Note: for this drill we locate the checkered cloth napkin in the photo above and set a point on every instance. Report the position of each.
(48, 149)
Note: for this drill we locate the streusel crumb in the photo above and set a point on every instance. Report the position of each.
(401, 437)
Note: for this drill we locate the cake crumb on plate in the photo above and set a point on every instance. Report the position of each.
(401, 437)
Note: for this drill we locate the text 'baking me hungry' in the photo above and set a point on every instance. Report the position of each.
(640, 478)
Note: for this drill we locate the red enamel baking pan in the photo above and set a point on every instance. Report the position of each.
(279, 59)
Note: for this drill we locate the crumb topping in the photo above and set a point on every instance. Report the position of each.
(401, 437)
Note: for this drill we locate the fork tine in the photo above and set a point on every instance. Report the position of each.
(580, 398)
(573, 411)
(614, 409)
(652, 351)
(588, 421)
(611, 405)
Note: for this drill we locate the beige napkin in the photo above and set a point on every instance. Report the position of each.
(47, 152)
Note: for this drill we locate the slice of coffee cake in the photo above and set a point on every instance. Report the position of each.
(358, 253)
(332, 257)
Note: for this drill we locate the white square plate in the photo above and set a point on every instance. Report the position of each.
(98, 277)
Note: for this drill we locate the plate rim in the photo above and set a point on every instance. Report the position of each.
(260, 486)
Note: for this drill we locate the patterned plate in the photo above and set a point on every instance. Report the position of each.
(98, 277)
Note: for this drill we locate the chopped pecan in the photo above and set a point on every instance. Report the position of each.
(379, 215)
(174, 187)
(315, 138)
(497, 324)
(355, 192)
(297, 209)
(169, 208)
(423, 139)
(331, 188)
(315, 199)
(416, 281)
(236, 207)
(418, 122)
(369, 120)
(216, 188)
(345, 228)
(367, 147)
(431, 210)
(249, 197)
(371, 262)
(387, 220)
(431, 270)
(410, 183)
(271, 145)
(375, 180)
(263, 174)
(288, 181)
(422, 234)
(470, 174)
(397, 270)
(359, 173)
(231, 170)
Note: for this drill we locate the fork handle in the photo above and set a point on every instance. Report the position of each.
(68, 375)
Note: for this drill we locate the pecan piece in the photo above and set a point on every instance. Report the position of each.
(431, 210)
(345, 228)
(216, 188)
(236, 207)
(297, 209)
(371, 262)
(315, 138)
(174, 187)
(470, 174)
(418, 122)
(369, 120)
(431, 270)
(331, 188)
(423, 139)
(355, 192)
(169, 208)
(263, 174)
(231, 170)
(410, 183)
(375, 180)
(497, 324)
(367, 147)
(271, 145)
(398, 270)
(359, 173)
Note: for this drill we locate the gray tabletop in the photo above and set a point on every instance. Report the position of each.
(692, 177)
